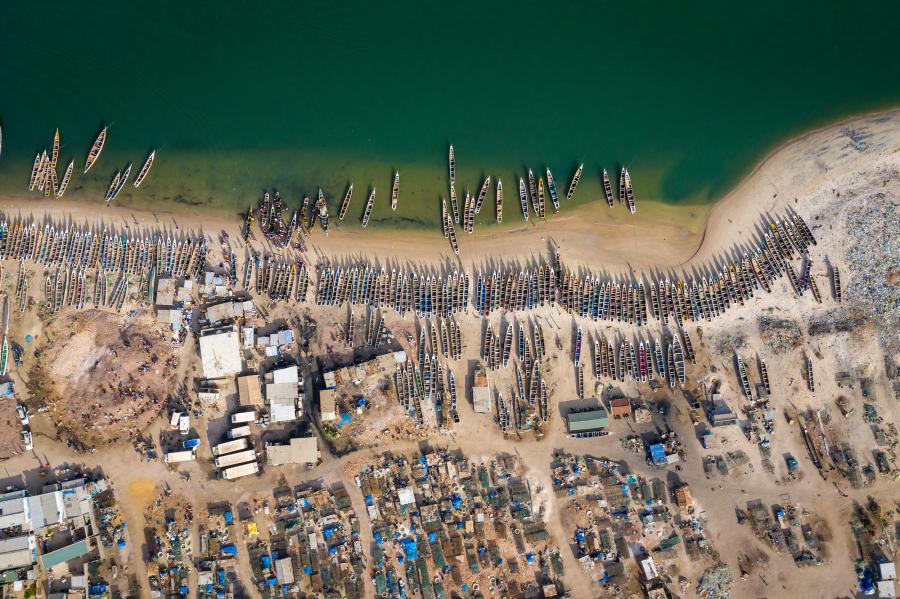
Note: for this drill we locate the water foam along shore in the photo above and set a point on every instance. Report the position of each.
(593, 236)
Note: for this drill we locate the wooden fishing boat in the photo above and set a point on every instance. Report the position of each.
(452, 166)
(54, 155)
(578, 347)
(370, 203)
(94, 153)
(622, 186)
(575, 179)
(4, 356)
(322, 211)
(532, 192)
(523, 198)
(629, 192)
(65, 180)
(346, 203)
(607, 189)
(551, 185)
(451, 234)
(121, 184)
(499, 201)
(35, 170)
(145, 170)
(482, 194)
(42, 171)
(454, 203)
(541, 208)
(395, 191)
(112, 187)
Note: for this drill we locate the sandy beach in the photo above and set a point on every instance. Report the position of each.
(594, 236)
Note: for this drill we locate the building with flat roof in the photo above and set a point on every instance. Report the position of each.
(620, 408)
(17, 552)
(587, 421)
(249, 391)
(13, 508)
(328, 405)
(220, 352)
(65, 554)
(300, 450)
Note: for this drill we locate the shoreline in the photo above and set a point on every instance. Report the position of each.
(591, 235)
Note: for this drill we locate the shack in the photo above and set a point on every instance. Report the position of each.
(587, 421)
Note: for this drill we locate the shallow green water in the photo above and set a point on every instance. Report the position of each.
(238, 97)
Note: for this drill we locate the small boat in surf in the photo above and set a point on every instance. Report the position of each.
(551, 185)
(452, 166)
(541, 208)
(34, 172)
(629, 192)
(575, 179)
(499, 201)
(346, 203)
(370, 203)
(607, 189)
(145, 170)
(532, 192)
(322, 211)
(523, 198)
(94, 154)
(395, 192)
(54, 155)
(122, 180)
(65, 180)
(112, 187)
(482, 194)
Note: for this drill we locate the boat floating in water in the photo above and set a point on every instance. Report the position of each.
(482, 194)
(145, 170)
(395, 191)
(370, 203)
(65, 180)
(523, 198)
(94, 154)
(346, 203)
(607, 189)
(551, 185)
(629, 192)
(499, 201)
(112, 187)
(575, 179)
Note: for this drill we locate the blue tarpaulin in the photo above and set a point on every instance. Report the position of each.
(409, 546)
(229, 550)
(229, 518)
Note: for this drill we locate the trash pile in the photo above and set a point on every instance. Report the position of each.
(715, 583)
(779, 334)
(873, 256)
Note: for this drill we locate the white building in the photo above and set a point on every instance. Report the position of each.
(220, 352)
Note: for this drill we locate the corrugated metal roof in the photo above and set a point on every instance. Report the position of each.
(587, 421)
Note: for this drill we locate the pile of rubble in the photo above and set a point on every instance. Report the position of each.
(715, 583)
(779, 334)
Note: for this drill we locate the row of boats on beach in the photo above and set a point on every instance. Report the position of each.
(106, 248)
(44, 176)
(692, 299)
